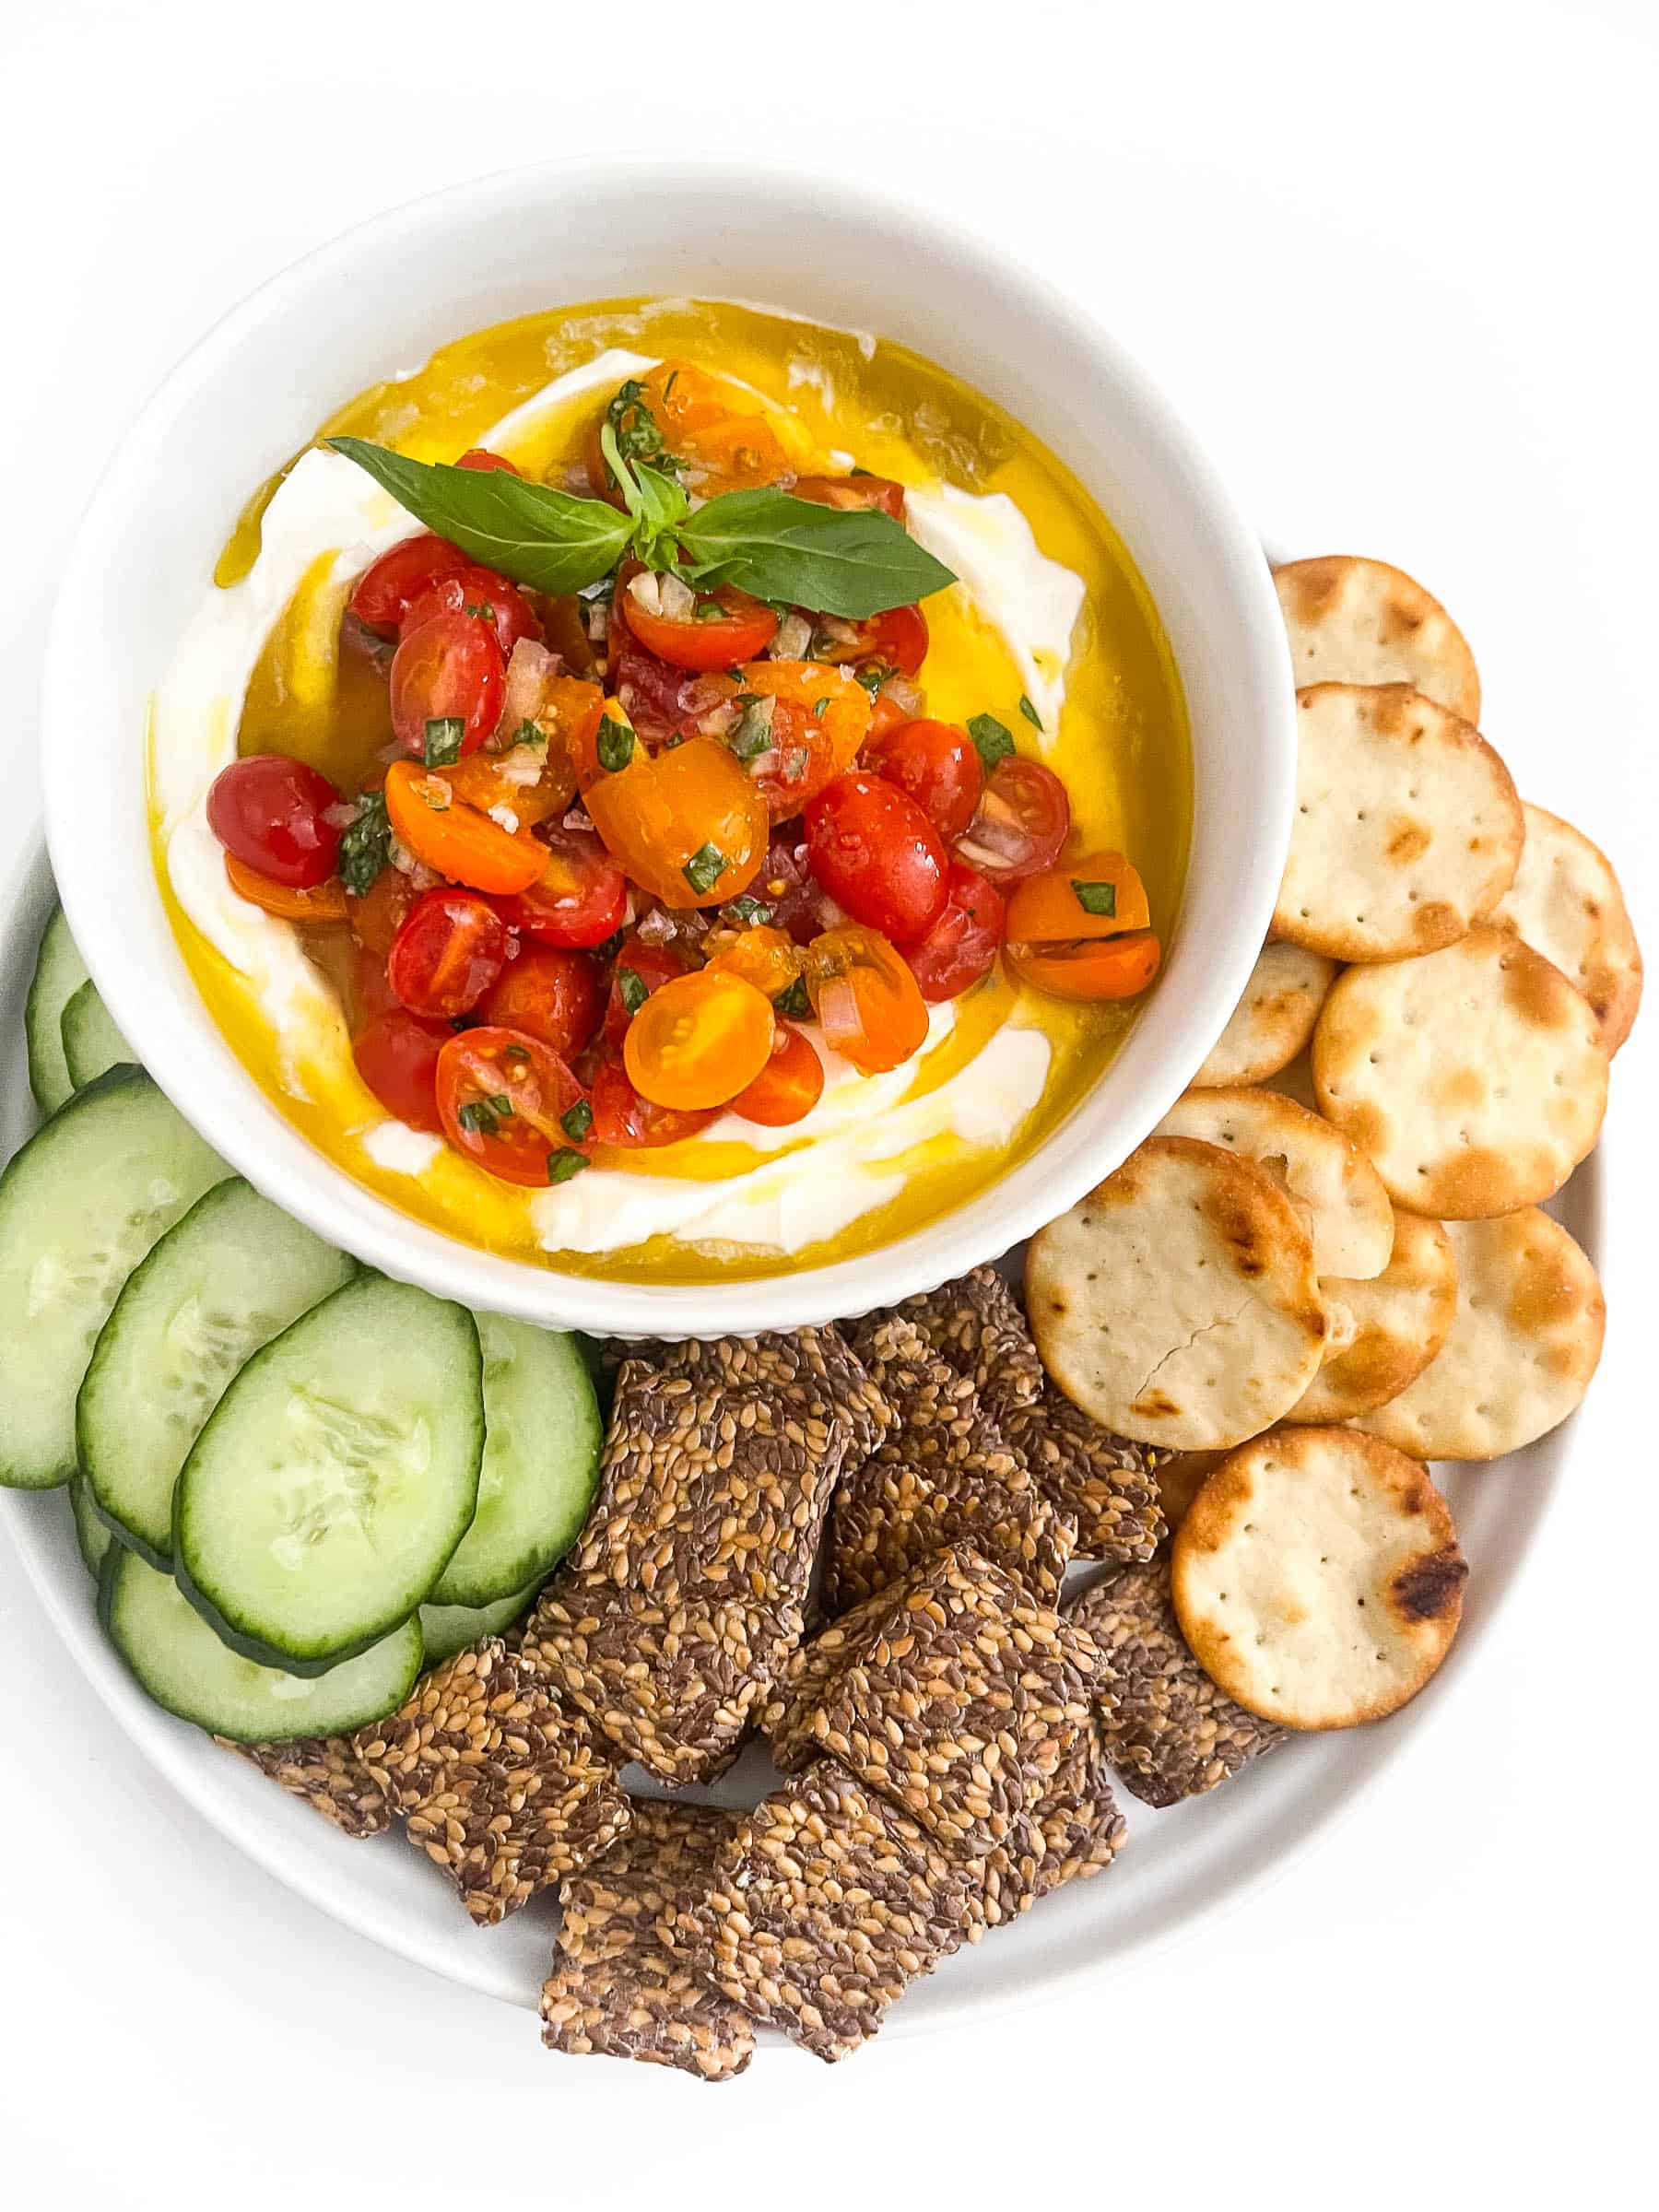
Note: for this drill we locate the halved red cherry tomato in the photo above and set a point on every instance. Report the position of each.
(1087, 967)
(819, 719)
(378, 916)
(549, 992)
(878, 855)
(698, 1040)
(455, 839)
(580, 898)
(1022, 822)
(270, 812)
(480, 456)
(641, 968)
(448, 953)
(482, 596)
(798, 906)
(625, 1119)
(386, 589)
(961, 945)
(853, 491)
(936, 764)
(866, 1000)
(886, 714)
(322, 902)
(895, 640)
(504, 1097)
(686, 824)
(788, 1087)
(723, 627)
(1101, 894)
(397, 1055)
(449, 669)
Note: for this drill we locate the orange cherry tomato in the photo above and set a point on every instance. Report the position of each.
(478, 781)
(866, 1000)
(1101, 894)
(378, 916)
(686, 824)
(698, 1040)
(723, 627)
(503, 1098)
(770, 959)
(456, 840)
(1087, 967)
(820, 720)
(788, 1087)
(853, 491)
(320, 902)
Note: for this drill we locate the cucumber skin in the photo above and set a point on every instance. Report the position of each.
(246, 1641)
(89, 1035)
(48, 1067)
(83, 1507)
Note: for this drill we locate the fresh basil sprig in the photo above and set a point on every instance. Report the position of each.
(851, 562)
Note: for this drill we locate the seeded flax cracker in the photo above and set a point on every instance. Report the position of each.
(1172, 1732)
(975, 1324)
(500, 1786)
(1074, 1832)
(616, 1989)
(328, 1774)
(828, 1903)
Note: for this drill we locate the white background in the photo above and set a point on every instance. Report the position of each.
(1398, 267)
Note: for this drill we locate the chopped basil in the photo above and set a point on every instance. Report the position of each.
(529, 732)
(366, 845)
(480, 1116)
(992, 740)
(577, 1121)
(705, 868)
(820, 707)
(608, 947)
(514, 1055)
(750, 734)
(616, 744)
(444, 736)
(873, 675)
(563, 1164)
(1096, 897)
(1029, 711)
(631, 990)
(794, 1002)
(750, 911)
(483, 610)
(709, 610)
(635, 427)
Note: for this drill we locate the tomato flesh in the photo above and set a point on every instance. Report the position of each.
(1022, 820)
(456, 840)
(451, 669)
(452, 947)
(866, 1000)
(629, 1122)
(961, 946)
(1050, 907)
(397, 1055)
(686, 824)
(1089, 968)
(322, 902)
(938, 765)
(269, 812)
(853, 491)
(878, 855)
(580, 898)
(387, 588)
(551, 993)
(480, 457)
(699, 1040)
(726, 626)
(502, 1095)
(641, 968)
(788, 1087)
(481, 596)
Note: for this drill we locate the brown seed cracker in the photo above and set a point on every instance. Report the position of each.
(1105, 1480)
(1173, 1733)
(1074, 1832)
(616, 1989)
(975, 1324)
(324, 1771)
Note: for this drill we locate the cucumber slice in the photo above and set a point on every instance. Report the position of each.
(219, 1285)
(336, 1474)
(92, 1044)
(541, 1464)
(91, 1533)
(80, 1207)
(446, 1629)
(183, 1665)
(58, 973)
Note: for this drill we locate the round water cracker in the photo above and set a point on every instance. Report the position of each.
(1317, 1577)
(1340, 1193)
(1475, 1078)
(1274, 1020)
(1177, 1302)
(1407, 828)
(1357, 621)
(1522, 1346)
(1401, 1319)
(1565, 902)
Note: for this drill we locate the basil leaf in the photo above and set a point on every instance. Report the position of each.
(444, 736)
(991, 740)
(794, 1002)
(850, 561)
(480, 1116)
(1029, 711)
(616, 744)
(631, 990)
(705, 868)
(547, 539)
(563, 1164)
(610, 947)
(750, 911)
(577, 1121)
(750, 734)
(365, 845)
(1096, 897)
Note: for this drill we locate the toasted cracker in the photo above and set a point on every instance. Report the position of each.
(1407, 828)
(1522, 1345)
(1566, 903)
(1182, 1475)
(1340, 1191)
(1318, 1579)
(1177, 1302)
(1274, 1020)
(1475, 1078)
(1357, 621)
(1401, 1319)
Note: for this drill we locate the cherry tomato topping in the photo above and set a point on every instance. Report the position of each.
(504, 1097)
(895, 640)
(397, 1055)
(481, 782)
(1087, 967)
(686, 824)
(886, 715)
(853, 491)
(1101, 894)
(451, 669)
(579, 899)
(371, 992)
(698, 1040)
(1022, 820)
(626, 1120)
(455, 839)
(641, 968)
(865, 998)
(269, 812)
(480, 456)
(878, 855)
(788, 1087)
(552, 994)
(819, 718)
(386, 589)
(722, 628)
(767, 958)
(482, 596)
(449, 951)
(961, 945)
(936, 764)
(378, 916)
(785, 885)
(322, 902)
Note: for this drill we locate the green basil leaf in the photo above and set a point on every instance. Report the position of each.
(443, 745)
(610, 947)
(750, 911)
(550, 540)
(993, 740)
(577, 1121)
(750, 734)
(1029, 711)
(616, 744)
(631, 990)
(480, 1116)
(1096, 897)
(563, 1164)
(849, 561)
(365, 845)
(795, 1003)
(705, 868)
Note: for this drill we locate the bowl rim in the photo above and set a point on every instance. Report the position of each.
(258, 1141)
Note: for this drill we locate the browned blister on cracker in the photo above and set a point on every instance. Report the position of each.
(325, 1772)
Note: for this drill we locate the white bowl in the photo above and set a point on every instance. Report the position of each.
(375, 303)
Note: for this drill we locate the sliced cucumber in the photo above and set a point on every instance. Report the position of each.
(91, 1531)
(219, 1285)
(446, 1629)
(80, 1207)
(58, 973)
(336, 1474)
(541, 1464)
(183, 1665)
(92, 1044)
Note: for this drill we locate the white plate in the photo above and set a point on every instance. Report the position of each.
(1179, 1867)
